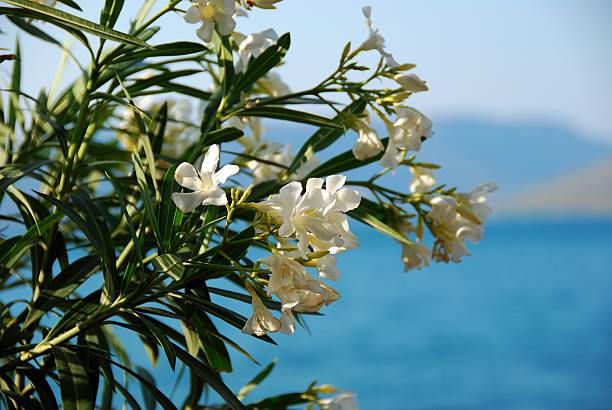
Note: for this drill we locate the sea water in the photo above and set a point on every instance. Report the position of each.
(524, 323)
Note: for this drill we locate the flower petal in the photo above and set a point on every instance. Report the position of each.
(205, 32)
(314, 183)
(189, 201)
(187, 176)
(211, 160)
(334, 182)
(216, 197)
(224, 173)
(226, 23)
(192, 15)
(347, 200)
(290, 193)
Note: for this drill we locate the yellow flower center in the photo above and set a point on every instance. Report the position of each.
(208, 13)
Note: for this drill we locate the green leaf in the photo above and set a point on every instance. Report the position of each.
(227, 134)
(10, 258)
(130, 400)
(160, 336)
(178, 48)
(165, 402)
(95, 236)
(148, 398)
(170, 264)
(342, 163)
(93, 214)
(23, 402)
(33, 30)
(122, 201)
(52, 15)
(208, 376)
(145, 194)
(261, 65)
(143, 84)
(13, 173)
(261, 376)
(61, 286)
(366, 213)
(226, 65)
(74, 382)
(167, 210)
(110, 12)
(324, 137)
(286, 114)
(42, 387)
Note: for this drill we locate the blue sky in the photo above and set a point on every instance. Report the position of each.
(516, 61)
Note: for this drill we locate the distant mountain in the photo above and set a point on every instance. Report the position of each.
(516, 156)
(588, 191)
(519, 157)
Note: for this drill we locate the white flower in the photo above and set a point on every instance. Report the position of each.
(262, 321)
(375, 40)
(411, 82)
(253, 45)
(273, 85)
(296, 289)
(316, 217)
(203, 182)
(209, 12)
(443, 209)
(343, 401)
(459, 219)
(405, 134)
(422, 179)
(476, 201)
(414, 256)
(410, 126)
(368, 144)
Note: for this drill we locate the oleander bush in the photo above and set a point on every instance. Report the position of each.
(127, 190)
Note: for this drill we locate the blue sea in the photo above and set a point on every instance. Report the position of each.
(525, 323)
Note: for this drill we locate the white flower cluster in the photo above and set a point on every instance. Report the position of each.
(459, 218)
(455, 217)
(410, 125)
(316, 220)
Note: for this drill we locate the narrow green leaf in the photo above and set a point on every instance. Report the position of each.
(33, 30)
(58, 16)
(149, 399)
(74, 383)
(324, 137)
(170, 264)
(10, 258)
(366, 213)
(110, 12)
(13, 173)
(342, 163)
(179, 48)
(286, 114)
(261, 65)
(61, 286)
(208, 376)
(261, 376)
(167, 210)
(145, 194)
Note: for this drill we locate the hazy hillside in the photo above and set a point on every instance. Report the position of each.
(517, 156)
(587, 191)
